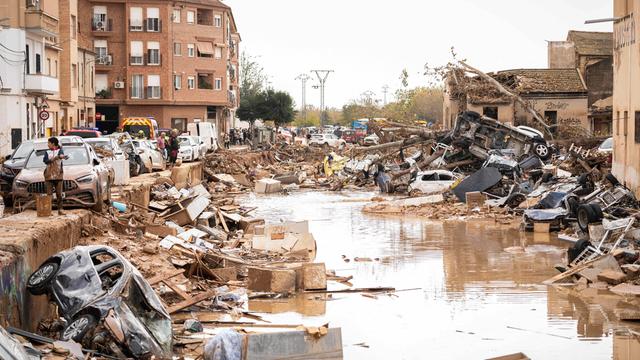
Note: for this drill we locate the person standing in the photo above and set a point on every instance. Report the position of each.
(173, 147)
(161, 144)
(226, 140)
(53, 174)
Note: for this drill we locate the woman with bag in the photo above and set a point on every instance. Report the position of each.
(53, 174)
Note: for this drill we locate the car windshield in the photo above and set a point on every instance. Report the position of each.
(607, 144)
(145, 306)
(23, 150)
(101, 144)
(134, 129)
(77, 156)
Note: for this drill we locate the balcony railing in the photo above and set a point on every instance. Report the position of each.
(136, 60)
(102, 25)
(104, 94)
(41, 84)
(104, 59)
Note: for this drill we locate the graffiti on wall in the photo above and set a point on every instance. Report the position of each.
(624, 32)
(556, 105)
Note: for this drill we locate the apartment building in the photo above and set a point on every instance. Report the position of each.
(626, 93)
(29, 70)
(175, 61)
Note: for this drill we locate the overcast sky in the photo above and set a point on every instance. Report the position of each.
(368, 42)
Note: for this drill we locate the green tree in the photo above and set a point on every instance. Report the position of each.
(279, 107)
(252, 76)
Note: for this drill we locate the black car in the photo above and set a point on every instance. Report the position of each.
(107, 303)
(13, 164)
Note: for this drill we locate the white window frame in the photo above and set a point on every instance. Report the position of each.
(217, 21)
(153, 20)
(191, 50)
(153, 86)
(177, 82)
(138, 55)
(179, 45)
(217, 84)
(137, 92)
(153, 53)
(191, 82)
(100, 47)
(175, 16)
(191, 17)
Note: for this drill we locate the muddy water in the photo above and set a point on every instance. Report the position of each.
(478, 288)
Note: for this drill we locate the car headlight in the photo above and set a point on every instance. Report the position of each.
(20, 184)
(85, 179)
(6, 171)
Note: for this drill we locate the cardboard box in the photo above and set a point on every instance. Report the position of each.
(268, 186)
(272, 280)
(541, 227)
(312, 276)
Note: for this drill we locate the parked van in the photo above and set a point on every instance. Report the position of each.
(207, 133)
(148, 125)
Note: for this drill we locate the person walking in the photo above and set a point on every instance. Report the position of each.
(53, 173)
(173, 147)
(161, 145)
(226, 140)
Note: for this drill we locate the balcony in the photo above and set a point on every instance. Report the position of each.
(41, 23)
(41, 84)
(102, 27)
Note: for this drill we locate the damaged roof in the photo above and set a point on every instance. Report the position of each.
(592, 42)
(546, 81)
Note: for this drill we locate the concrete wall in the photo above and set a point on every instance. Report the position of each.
(571, 111)
(505, 111)
(25, 242)
(626, 92)
(561, 55)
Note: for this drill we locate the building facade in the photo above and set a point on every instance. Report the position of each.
(174, 61)
(626, 93)
(592, 54)
(29, 70)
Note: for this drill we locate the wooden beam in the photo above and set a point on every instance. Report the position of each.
(191, 301)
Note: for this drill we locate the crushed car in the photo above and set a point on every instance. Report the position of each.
(107, 304)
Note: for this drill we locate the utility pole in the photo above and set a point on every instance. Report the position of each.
(322, 78)
(385, 89)
(303, 78)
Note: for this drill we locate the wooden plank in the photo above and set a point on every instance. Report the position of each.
(191, 301)
(158, 278)
(176, 289)
(224, 222)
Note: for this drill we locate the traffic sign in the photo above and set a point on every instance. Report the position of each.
(43, 115)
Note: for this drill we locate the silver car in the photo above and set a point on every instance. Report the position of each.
(150, 154)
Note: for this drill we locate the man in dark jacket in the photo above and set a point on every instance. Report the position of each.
(173, 147)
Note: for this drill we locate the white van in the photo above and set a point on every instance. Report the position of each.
(207, 133)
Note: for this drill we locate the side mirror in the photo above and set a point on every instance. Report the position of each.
(96, 162)
(8, 157)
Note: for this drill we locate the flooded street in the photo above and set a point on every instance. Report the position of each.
(471, 289)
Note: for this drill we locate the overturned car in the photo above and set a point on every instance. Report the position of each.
(106, 302)
(481, 134)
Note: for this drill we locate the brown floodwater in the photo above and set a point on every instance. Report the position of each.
(472, 288)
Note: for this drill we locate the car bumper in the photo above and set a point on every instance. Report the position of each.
(74, 194)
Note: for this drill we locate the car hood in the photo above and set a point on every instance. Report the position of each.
(70, 173)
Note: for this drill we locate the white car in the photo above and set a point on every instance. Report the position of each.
(606, 147)
(327, 140)
(432, 181)
(203, 148)
(372, 139)
(150, 154)
(108, 144)
(189, 148)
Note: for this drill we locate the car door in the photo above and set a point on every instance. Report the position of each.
(102, 172)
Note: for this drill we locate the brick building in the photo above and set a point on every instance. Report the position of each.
(592, 54)
(175, 61)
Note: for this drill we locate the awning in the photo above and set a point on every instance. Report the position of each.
(205, 48)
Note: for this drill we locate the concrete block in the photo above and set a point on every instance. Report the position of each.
(611, 277)
(226, 274)
(268, 186)
(313, 276)
(272, 280)
(294, 345)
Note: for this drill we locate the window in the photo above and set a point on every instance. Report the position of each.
(136, 53)
(191, 50)
(55, 69)
(153, 19)
(100, 48)
(74, 26)
(28, 59)
(637, 127)
(191, 82)
(176, 16)
(205, 81)
(74, 75)
(137, 84)
(490, 111)
(205, 49)
(177, 82)
(177, 49)
(38, 64)
(48, 69)
(99, 22)
(191, 17)
(218, 52)
(217, 21)
(153, 86)
(179, 123)
(135, 19)
(218, 84)
(626, 121)
(102, 82)
(153, 53)
(551, 118)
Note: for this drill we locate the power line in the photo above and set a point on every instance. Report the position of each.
(322, 77)
(21, 52)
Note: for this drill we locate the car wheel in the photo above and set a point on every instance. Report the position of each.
(99, 206)
(577, 248)
(514, 200)
(586, 215)
(78, 328)
(39, 281)
(542, 151)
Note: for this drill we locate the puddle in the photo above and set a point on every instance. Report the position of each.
(479, 287)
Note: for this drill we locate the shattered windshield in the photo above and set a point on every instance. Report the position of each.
(146, 310)
(23, 150)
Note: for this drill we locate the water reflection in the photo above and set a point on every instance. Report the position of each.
(480, 294)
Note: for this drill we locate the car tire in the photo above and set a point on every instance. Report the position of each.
(514, 200)
(542, 151)
(78, 328)
(577, 248)
(39, 281)
(586, 215)
(598, 211)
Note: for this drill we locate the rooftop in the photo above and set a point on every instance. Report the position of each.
(527, 81)
(592, 42)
